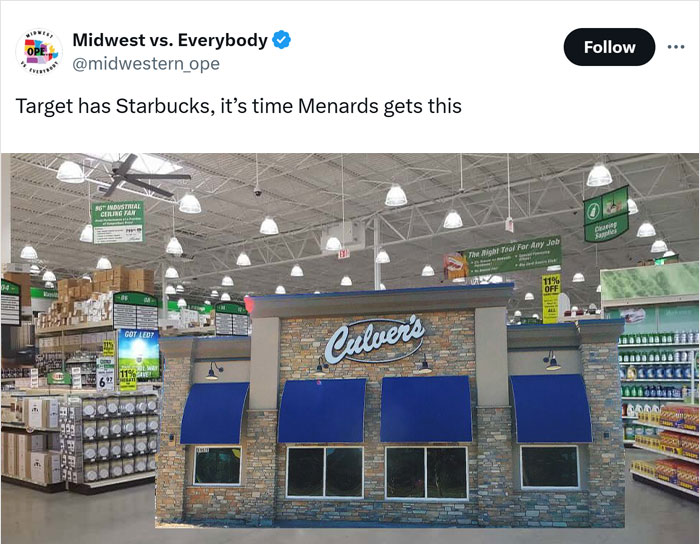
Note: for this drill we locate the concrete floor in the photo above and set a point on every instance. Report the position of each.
(126, 517)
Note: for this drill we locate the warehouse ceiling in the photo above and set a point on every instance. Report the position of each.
(303, 194)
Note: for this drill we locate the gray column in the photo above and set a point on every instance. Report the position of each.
(264, 363)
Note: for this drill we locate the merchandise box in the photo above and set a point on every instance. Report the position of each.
(12, 454)
(46, 467)
(41, 413)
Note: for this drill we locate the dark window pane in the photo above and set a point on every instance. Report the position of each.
(218, 466)
(305, 472)
(549, 467)
(343, 472)
(447, 473)
(405, 472)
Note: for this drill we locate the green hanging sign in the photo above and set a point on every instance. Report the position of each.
(38, 292)
(230, 308)
(10, 299)
(117, 222)
(606, 216)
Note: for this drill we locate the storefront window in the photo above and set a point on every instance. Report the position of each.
(217, 466)
(549, 467)
(427, 473)
(325, 472)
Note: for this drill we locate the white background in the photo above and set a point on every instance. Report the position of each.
(503, 60)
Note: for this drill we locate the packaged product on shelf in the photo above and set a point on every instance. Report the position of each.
(689, 446)
(12, 454)
(90, 472)
(103, 470)
(631, 372)
(89, 408)
(128, 425)
(103, 428)
(112, 405)
(115, 426)
(152, 442)
(687, 475)
(128, 446)
(645, 467)
(41, 412)
(140, 463)
(53, 441)
(115, 447)
(140, 444)
(128, 465)
(151, 462)
(46, 467)
(101, 407)
(152, 403)
(115, 468)
(153, 424)
(90, 451)
(103, 449)
(670, 441)
(126, 405)
(141, 424)
(665, 469)
(89, 430)
(141, 405)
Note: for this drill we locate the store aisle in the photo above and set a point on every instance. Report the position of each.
(126, 517)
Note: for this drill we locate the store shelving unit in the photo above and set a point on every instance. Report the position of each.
(45, 488)
(666, 428)
(666, 453)
(648, 479)
(100, 486)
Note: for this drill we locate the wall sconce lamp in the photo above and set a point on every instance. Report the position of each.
(320, 372)
(552, 360)
(424, 366)
(211, 375)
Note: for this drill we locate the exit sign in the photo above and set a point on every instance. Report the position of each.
(343, 253)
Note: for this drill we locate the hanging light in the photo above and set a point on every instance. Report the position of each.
(529, 296)
(103, 263)
(214, 294)
(34, 270)
(659, 246)
(452, 220)
(574, 308)
(48, 276)
(427, 271)
(225, 297)
(333, 244)
(189, 204)
(317, 292)
(346, 281)
(179, 288)
(424, 366)
(599, 289)
(599, 176)
(171, 273)
(174, 247)
(632, 206)
(646, 230)
(181, 303)
(211, 375)
(268, 226)
(70, 172)
(170, 290)
(227, 281)
(578, 278)
(86, 234)
(459, 279)
(382, 287)
(517, 313)
(552, 360)
(280, 290)
(243, 259)
(49, 285)
(669, 253)
(554, 268)
(28, 253)
(319, 372)
(296, 272)
(395, 196)
(207, 302)
(496, 279)
(382, 257)
(535, 316)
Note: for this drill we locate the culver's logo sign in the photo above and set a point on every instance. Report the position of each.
(345, 344)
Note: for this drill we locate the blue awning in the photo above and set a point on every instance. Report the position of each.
(213, 413)
(322, 411)
(426, 409)
(551, 409)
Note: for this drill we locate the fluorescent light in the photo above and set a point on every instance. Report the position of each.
(599, 176)
(179, 288)
(346, 281)
(382, 257)
(646, 230)
(181, 303)
(34, 269)
(599, 289)
(518, 313)
(460, 279)
(189, 204)
(395, 196)
(243, 259)
(227, 281)
(214, 294)
(659, 246)
(382, 287)
(333, 244)
(632, 206)
(529, 296)
(174, 247)
(29, 253)
(103, 263)
(574, 308)
(296, 272)
(49, 285)
(145, 163)
(86, 234)
(578, 278)
(171, 273)
(427, 271)
(225, 297)
(48, 276)
(170, 290)
(70, 172)
(554, 268)
(207, 302)
(280, 290)
(268, 226)
(668, 253)
(452, 220)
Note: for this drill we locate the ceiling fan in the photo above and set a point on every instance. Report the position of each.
(120, 173)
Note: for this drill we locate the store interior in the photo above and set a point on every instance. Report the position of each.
(109, 257)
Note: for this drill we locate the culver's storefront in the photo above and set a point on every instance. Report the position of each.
(415, 406)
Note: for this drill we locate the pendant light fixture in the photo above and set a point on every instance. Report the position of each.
(460, 279)
(659, 246)
(424, 366)
(574, 309)
(190, 204)
(578, 278)
(551, 359)
(214, 293)
(34, 270)
(103, 263)
(599, 176)
(49, 285)
(297, 271)
(181, 303)
(333, 244)
(517, 313)
(346, 281)
(427, 271)
(170, 290)
(86, 234)
(529, 296)
(669, 253)
(554, 268)
(243, 259)
(382, 257)
(646, 230)
(317, 292)
(269, 227)
(395, 196)
(171, 273)
(495, 279)
(452, 220)
(225, 297)
(280, 290)
(174, 247)
(319, 372)
(48, 276)
(179, 288)
(211, 375)
(535, 316)
(599, 289)
(70, 172)
(382, 287)
(227, 281)
(632, 206)
(207, 302)
(29, 253)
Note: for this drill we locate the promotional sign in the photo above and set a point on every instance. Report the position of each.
(551, 287)
(105, 374)
(38, 292)
(117, 222)
(108, 348)
(58, 378)
(127, 377)
(76, 377)
(606, 216)
(33, 378)
(511, 257)
(134, 310)
(10, 303)
(454, 265)
(140, 351)
(230, 319)
(345, 343)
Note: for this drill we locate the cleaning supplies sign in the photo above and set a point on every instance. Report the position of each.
(134, 310)
(606, 216)
(117, 222)
(231, 320)
(10, 303)
(140, 351)
(105, 374)
(551, 287)
(535, 253)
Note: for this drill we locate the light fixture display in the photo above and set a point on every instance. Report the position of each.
(669, 253)
(49, 285)
(346, 281)
(269, 227)
(70, 172)
(333, 244)
(659, 246)
(103, 263)
(86, 234)
(427, 271)
(214, 294)
(578, 278)
(646, 230)
(529, 296)
(632, 207)
(297, 271)
(598, 289)
(243, 259)
(170, 290)
(395, 196)
(171, 273)
(599, 176)
(225, 297)
(179, 288)
(181, 303)
(34, 270)
(452, 220)
(227, 281)
(29, 253)
(207, 302)
(382, 257)
(280, 290)
(48, 276)
(574, 308)
(174, 247)
(517, 313)
(190, 204)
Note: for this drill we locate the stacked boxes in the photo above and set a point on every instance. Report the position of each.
(141, 279)
(26, 457)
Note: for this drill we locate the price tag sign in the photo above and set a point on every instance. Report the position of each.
(127, 378)
(105, 374)
(108, 348)
(77, 377)
(34, 378)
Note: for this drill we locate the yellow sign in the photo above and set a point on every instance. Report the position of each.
(551, 287)
(127, 378)
(108, 348)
